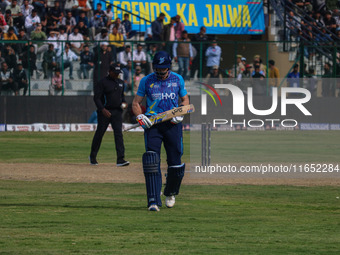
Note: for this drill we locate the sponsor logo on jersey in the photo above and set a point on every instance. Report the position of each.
(168, 96)
(156, 96)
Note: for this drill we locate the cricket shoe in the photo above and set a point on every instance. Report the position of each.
(93, 161)
(170, 201)
(153, 208)
(123, 163)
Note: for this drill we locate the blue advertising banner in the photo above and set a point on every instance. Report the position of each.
(219, 17)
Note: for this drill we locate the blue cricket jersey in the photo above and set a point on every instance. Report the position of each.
(161, 95)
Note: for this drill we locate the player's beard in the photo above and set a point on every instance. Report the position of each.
(162, 75)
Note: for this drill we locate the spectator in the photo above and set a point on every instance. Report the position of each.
(148, 37)
(259, 83)
(44, 25)
(318, 20)
(3, 5)
(97, 23)
(51, 26)
(53, 39)
(116, 42)
(244, 62)
(102, 61)
(11, 36)
(328, 86)
(293, 78)
(86, 61)
(68, 58)
(108, 15)
(62, 37)
(182, 52)
(39, 37)
(257, 60)
(83, 30)
(31, 22)
(293, 25)
(18, 17)
(239, 67)
(246, 76)
(82, 17)
(71, 6)
(330, 22)
(149, 57)
(3, 23)
(29, 60)
(49, 60)
(76, 40)
(26, 9)
(215, 76)
(199, 37)
(139, 58)
(247, 72)
(128, 27)
(6, 78)
(127, 76)
(102, 36)
(20, 79)
(120, 28)
(84, 5)
(55, 13)
(57, 83)
(157, 28)
(69, 21)
(101, 12)
(21, 46)
(40, 6)
(213, 55)
(8, 18)
(124, 56)
(169, 35)
(179, 28)
(10, 57)
(274, 74)
(137, 78)
(336, 16)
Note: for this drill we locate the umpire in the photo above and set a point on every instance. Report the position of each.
(110, 101)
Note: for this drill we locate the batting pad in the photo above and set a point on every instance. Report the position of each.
(174, 179)
(153, 177)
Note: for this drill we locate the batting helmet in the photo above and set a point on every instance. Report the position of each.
(161, 60)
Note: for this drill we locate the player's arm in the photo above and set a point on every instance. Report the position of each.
(185, 100)
(136, 105)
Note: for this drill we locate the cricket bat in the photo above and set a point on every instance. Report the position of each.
(168, 115)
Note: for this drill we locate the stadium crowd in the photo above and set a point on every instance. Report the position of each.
(55, 34)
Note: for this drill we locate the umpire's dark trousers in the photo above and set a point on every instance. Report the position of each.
(103, 123)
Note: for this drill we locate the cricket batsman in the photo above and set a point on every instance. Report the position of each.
(163, 90)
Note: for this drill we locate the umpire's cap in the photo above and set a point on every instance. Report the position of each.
(115, 68)
(161, 60)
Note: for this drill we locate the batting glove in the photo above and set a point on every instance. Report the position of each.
(176, 120)
(144, 121)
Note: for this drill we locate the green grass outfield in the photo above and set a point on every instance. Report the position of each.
(81, 218)
(59, 218)
(239, 146)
